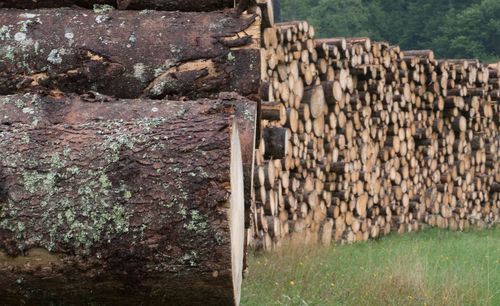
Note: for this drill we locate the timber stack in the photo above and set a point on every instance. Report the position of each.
(127, 149)
(143, 151)
(372, 140)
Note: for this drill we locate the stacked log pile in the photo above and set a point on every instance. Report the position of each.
(132, 146)
(376, 140)
(127, 150)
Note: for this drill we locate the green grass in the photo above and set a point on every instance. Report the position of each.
(432, 267)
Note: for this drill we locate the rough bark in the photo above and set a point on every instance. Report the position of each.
(161, 5)
(130, 54)
(117, 202)
(33, 108)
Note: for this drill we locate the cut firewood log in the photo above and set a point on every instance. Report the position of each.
(273, 111)
(333, 92)
(315, 98)
(167, 54)
(276, 140)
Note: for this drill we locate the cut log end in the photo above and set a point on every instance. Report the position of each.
(237, 215)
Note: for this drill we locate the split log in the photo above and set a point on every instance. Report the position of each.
(166, 54)
(160, 5)
(121, 202)
(274, 111)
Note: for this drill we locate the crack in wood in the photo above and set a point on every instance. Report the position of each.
(197, 65)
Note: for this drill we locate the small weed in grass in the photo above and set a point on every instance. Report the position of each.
(433, 267)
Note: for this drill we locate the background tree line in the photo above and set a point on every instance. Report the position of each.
(452, 28)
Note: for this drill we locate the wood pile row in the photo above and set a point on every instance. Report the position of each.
(375, 140)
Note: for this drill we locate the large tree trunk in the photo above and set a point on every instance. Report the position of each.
(129, 54)
(73, 109)
(162, 5)
(131, 202)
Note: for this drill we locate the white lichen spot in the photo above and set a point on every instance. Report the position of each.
(4, 32)
(215, 26)
(154, 109)
(28, 15)
(54, 57)
(175, 49)
(132, 38)
(20, 36)
(139, 70)
(28, 110)
(129, 45)
(69, 35)
(24, 25)
(101, 18)
(230, 57)
(7, 52)
(122, 24)
(158, 72)
(158, 88)
(37, 45)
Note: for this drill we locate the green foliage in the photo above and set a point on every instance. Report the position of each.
(434, 267)
(452, 28)
(472, 32)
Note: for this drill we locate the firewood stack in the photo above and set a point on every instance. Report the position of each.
(137, 146)
(377, 140)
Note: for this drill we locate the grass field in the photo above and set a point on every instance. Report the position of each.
(432, 267)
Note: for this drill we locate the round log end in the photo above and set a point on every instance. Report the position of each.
(237, 215)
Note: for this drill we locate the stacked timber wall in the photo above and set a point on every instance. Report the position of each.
(128, 141)
(376, 140)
